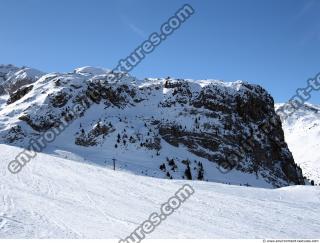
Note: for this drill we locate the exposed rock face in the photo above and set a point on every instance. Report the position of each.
(17, 95)
(91, 138)
(230, 125)
(60, 99)
(251, 139)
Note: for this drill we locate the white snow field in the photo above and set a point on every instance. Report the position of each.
(58, 198)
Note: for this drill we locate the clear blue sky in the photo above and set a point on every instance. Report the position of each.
(274, 43)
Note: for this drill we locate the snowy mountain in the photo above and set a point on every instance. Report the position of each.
(302, 133)
(58, 198)
(13, 78)
(166, 128)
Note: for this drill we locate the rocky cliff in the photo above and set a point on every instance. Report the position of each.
(186, 129)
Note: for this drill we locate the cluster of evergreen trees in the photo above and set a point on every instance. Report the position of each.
(187, 173)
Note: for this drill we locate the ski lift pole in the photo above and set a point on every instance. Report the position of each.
(114, 163)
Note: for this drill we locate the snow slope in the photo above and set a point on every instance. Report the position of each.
(302, 133)
(58, 198)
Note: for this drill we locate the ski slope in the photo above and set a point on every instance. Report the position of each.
(58, 198)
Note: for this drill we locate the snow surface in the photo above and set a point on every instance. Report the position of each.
(58, 198)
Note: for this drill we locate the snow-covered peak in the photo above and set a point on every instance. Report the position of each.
(7, 68)
(25, 73)
(307, 112)
(5, 71)
(91, 70)
(12, 77)
(306, 107)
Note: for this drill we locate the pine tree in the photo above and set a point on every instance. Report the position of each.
(188, 173)
(171, 162)
(163, 167)
(200, 172)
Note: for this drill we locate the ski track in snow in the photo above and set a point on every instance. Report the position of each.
(58, 198)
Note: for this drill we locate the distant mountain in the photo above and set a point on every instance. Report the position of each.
(167, 128)
(13, 78)
(302, 133)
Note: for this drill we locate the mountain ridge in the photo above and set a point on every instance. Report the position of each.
(195, 129)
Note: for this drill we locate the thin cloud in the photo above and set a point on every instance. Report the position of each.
(134, 28)
(312, 31)
(305, 9)
(137, 30)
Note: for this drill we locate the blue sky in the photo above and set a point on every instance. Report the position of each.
(273, 43)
